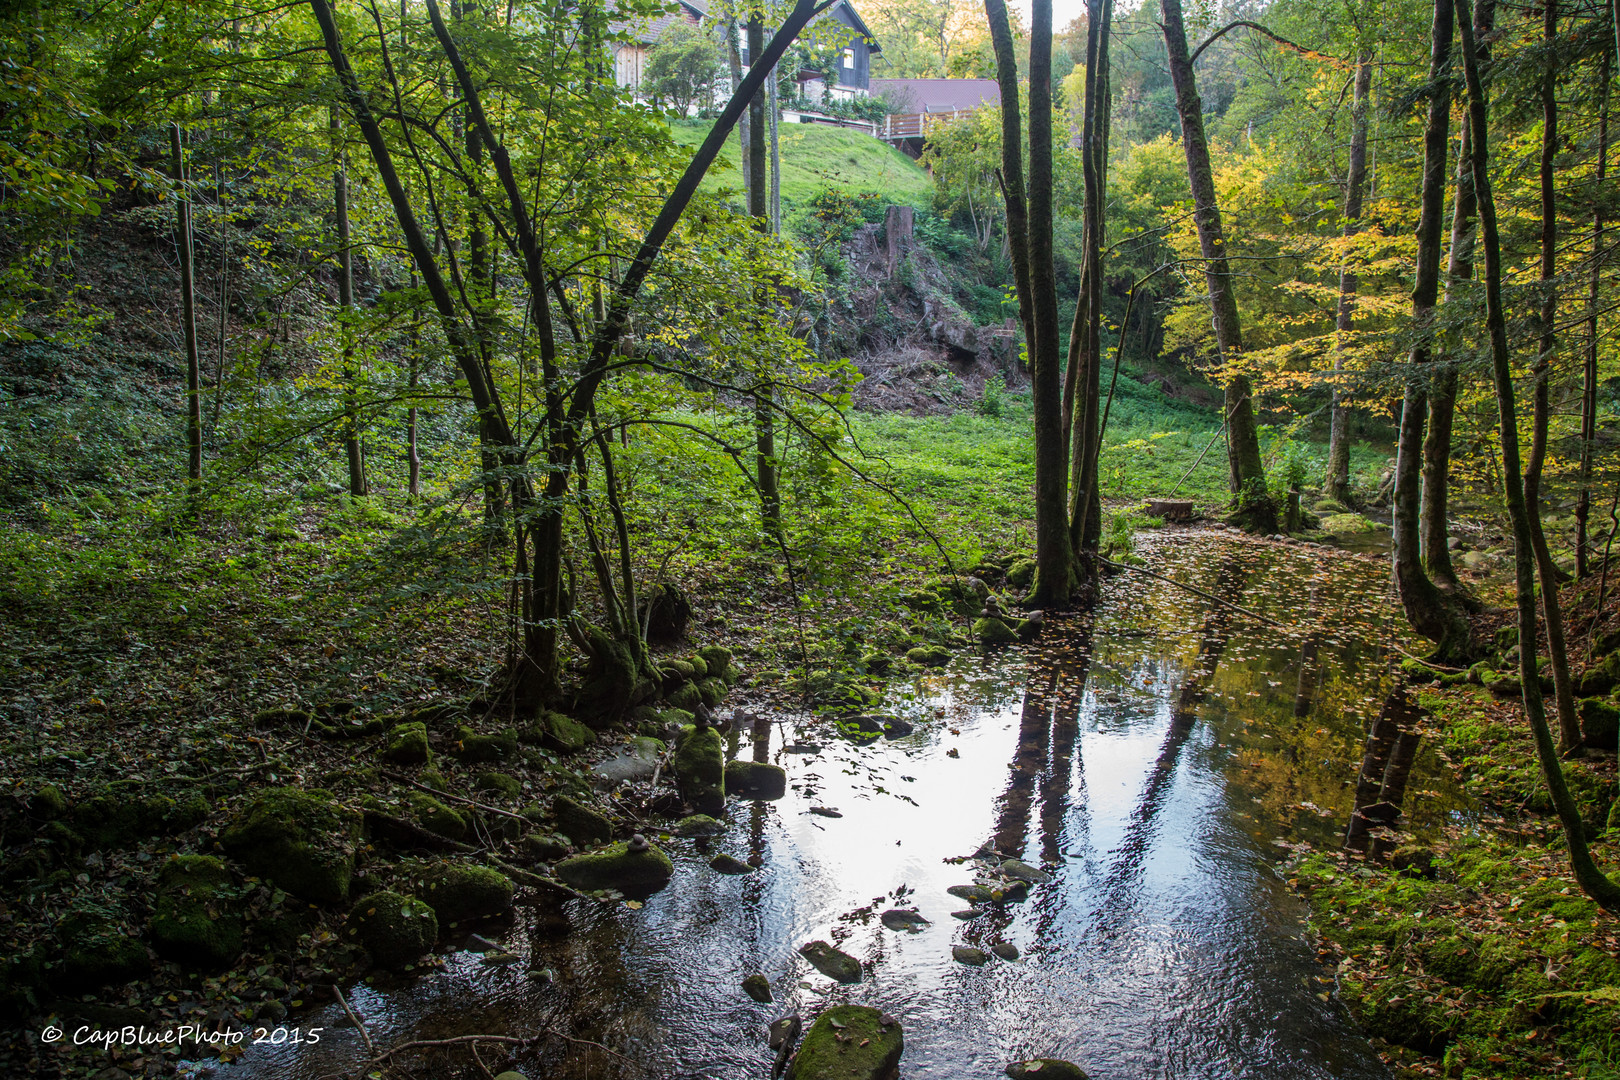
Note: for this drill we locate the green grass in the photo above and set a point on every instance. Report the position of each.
(818, 157)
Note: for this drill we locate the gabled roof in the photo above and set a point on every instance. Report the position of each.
(859, 24)
(648, 33)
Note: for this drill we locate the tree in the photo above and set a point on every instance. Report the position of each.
(1245, 472)
(1029, 231)
(1337, 482)
(684, 68)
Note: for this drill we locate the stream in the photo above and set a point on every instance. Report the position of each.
(1158, 757)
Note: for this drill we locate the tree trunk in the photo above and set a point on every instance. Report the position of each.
(734, 59)
(761, 189)
(188, 314)
(1245, 472)
(1337, 485)
(1433, 523)
(1431, 612)
(1592, 879)
(1029, 228)
(1589, 384)
(1569, 727)
(1083, 386)
(345, 283)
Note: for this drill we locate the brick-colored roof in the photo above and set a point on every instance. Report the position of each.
(937, 95)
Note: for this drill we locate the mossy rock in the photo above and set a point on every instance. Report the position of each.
(436, 817)
(716, 658)
(1348, 524)
(580, 823)
(929, 655)
(923, 600)
(617, 677)
(700, 767)
(48, 803)
(1600, 723)
(686, 697)
(98, 952)
(558, 732)
(755, 780)
(394, 929)
(1045, 1069)
(300, 839)
(993, 631)
(499, 783)
(408, 745)
(674, 672)
(1021, 573)
(121, 813)
(544, 847)
(698, 825)
(712, 691)
(194, 921)
(699, 666)
(831, 962)
(1329, 507)
(617, 867)
(1028, 630)
(282, 718)
(1600, 678)
(878, 663)
(461, 891)
(1454, 958)
(849, 1042)
(474, 748)
(1405, 1018)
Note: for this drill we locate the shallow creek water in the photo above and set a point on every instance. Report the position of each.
(1158, 757)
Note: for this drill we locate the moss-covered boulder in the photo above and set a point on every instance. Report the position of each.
(924, 600)
(194, 917)
(1021, 573)
(712, 691)
(929, 655)
(1044, 1069)
(300, 839)
(436, 817)
(581, 824)
(460, 891)
(617, 867)
(1348, 524)
(755, 780)
(700, 767)
(558, 732)
(699, 666)
(395, 930)
(1600, 723)
(122, 813)
(716, 659)
(48, 803)
(408, 744)
(473, 748)
(1027, 630)
(98, 951)
(498, 783)
(849, 1042)
(992, 630)
(1600, 677)
(831, 962)
(699, 825)
(758, 987)
(686, 697)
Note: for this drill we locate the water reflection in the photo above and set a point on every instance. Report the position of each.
(1149, 756)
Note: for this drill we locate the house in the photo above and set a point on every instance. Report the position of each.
(851, 71)
(915, 105)
(630, 57)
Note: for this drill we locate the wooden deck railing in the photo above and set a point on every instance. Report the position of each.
(915, 125)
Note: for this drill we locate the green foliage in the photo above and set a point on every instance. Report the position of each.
(684, 68)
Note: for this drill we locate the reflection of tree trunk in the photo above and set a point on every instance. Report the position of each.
(1028, 764)
(1063, 786)
(1383, 769)
(1132, 851)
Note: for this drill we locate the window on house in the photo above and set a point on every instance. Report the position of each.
(849, 58)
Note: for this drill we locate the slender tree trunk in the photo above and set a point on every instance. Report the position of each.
(1431, 612)
(1434, 524)
(1592, 880)
(351, 405)
(1245, 472)
(1029, 227)
(188, 313)
(224, 303)
(773, 111)
(1589, 371)
(413, 456)
(1082, 390)
(1337, 485)
(1569, 727)
(761, 191)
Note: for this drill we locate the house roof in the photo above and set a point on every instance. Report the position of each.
(689, 11)
(860, 25)
(937, 95)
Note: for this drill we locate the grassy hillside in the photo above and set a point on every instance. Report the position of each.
(816, 157)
